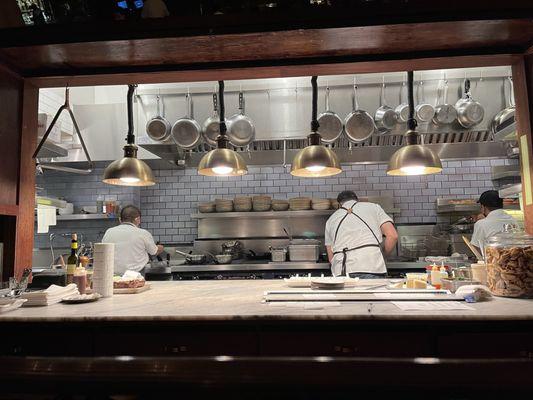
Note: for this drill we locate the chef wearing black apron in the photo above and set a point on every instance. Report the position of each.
(354, 236)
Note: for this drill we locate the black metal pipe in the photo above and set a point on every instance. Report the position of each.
(130, 139)
(314, 115)
(221, 108)
(411, 122)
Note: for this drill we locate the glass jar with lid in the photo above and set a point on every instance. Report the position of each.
(509, 260)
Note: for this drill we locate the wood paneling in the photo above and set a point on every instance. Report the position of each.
(8, 209)
(273, 47)
(26, 191)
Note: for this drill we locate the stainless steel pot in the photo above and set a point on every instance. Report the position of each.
(424, 111)
(469, 112)
(503, 125)
(194, 259)
(444, 113)
(330, 123)
(241, 131)
(186, 131)
(358, 125)
(223, 258)
(211, 127)
(385, 117)
(158, 128)
(278, 254)
(403, 108)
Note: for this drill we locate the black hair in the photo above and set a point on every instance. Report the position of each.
(129, 213)
(345, 196)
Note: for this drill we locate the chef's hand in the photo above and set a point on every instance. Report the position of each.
(160, 249)
(479, 217)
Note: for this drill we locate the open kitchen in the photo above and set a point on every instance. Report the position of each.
(360, 217)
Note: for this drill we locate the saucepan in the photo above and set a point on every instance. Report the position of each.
(385, 117)
(158, 128)
(330, 123)
(223, 258)
(186, 131)
(194, 259)
(469, 111)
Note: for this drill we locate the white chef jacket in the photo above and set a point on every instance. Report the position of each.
(154, 9)
(489, 226)
(132, 246)
(354, 233)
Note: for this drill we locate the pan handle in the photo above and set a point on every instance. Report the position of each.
(241, 102)
(355, 103)
(181, 253)
(382, 98)
(158, 99)
(467, 87)
(215, 103)
(511, 92)
(327, 99)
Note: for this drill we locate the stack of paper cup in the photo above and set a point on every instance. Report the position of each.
(103, 264)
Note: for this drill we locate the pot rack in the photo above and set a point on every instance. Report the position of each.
(52, 166)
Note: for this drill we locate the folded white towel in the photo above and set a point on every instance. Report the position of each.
(54, 294)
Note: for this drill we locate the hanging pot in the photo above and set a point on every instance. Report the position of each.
(503, 124)
(158, 128)
(469, 111)
(445, 113)
(424, 111)
(330, 123)
(211, 127)
(403, 109)
(358, 125)
(241, 131)
(385, 117)
(186, 131)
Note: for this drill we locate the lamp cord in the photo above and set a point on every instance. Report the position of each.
(314, 115)
(411, 136)
(221, 108)
(130, 139)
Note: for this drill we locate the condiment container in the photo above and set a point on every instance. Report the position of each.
(80, 279)
(509, 262)
(479, 272)
(436, 279)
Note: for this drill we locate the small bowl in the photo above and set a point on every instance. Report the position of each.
(224, 258)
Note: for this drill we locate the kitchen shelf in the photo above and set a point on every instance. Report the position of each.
(84, 217)
(511, 190)
(52, 150)
(273, 214)
(468, 208)
(49, 201)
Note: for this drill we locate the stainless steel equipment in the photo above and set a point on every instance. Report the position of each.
(445, 113)
(424, 111)
(186, 131)
(211, 127)
(331, 125)
(402, 110)
(385, 117)
(193, 258)
(304, 250)
(503, 125)
(241, 130)
(223, 258)
(358, 125)
(469, 112)
(233, 248)
(278, 254)
(158, 128)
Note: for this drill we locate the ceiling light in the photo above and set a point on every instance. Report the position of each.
(413, 158)
(222, 161)
(315, 160)
(129, 170)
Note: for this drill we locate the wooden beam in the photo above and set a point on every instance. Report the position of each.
(337, 68)
(9, 209)
(26, 187)
(523, 91)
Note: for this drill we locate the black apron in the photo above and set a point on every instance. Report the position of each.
(345, 251)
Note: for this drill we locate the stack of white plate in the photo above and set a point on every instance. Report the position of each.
(300, 203)
(242, 203)
(206, 207)
(223, 205)
(280, 205)
(261, 203)
(320, 204)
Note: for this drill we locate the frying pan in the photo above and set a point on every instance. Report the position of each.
(424, 111)
(403, 109)
(469, 111)
(158, 128)
(503, 123)
(358, 125)
(241, 130)
(444, 113)
(330, 123)
(211, 128)
(194, 259)
(385, 117)
(186, 131)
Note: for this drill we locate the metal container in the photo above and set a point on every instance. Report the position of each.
(278, 254)
(453, 284)
(304, 252)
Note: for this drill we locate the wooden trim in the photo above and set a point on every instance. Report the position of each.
(523, 90)
(8, 209)
(338, 68)
(26, 190)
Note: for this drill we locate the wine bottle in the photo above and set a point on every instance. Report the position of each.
(72, 261)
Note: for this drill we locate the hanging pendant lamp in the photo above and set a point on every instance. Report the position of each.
(129, 170)
(315, 160)
(222, 161)
(413, 158)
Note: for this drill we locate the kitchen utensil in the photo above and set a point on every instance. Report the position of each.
(503, 124)
(232, 247)
(424, 111)
(223, 258)
(453, 284)
(194, 259)
(385, 117)
(186, 131)
(403, 108)
(469, 111)
(444, 113)
(472, 248)
(211, 127)
(278, 254)
(358, 125)
(158, 128)
(304, 250)
(241, 131)
(330, 123)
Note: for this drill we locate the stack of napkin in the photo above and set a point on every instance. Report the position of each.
(54, 294)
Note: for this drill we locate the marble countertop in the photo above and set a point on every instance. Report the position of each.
(214, 300)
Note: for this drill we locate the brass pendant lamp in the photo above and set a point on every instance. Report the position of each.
(315, 160)
(129, 170)
(222, 161)
(413, 158)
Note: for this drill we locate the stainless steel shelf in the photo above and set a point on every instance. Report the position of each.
(49, 201)
(84, 217)
(51, 150)
(273, 214)
(511, 190)
(467, 208)
(266, 266)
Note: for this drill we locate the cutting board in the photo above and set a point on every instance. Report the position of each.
(144, 288)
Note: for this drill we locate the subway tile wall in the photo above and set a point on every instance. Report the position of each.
(167, 206)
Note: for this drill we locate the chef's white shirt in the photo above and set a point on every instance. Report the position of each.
(154, 9)
(489, 226)
(132, 246)
(354, 233)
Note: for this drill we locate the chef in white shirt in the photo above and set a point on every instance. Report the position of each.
(493, 218)
(354, 238)
(132, 244)
(154, 9)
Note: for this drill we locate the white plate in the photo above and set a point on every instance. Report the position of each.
(81, 298)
